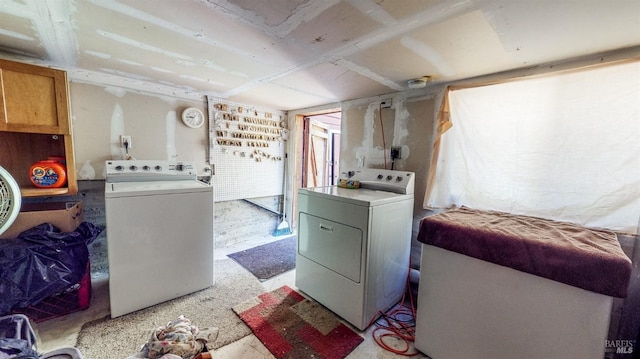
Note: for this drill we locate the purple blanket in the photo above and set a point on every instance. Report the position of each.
(564, 252)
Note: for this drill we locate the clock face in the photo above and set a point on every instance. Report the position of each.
(193, 117)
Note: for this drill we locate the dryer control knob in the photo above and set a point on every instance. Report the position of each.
(146, 168)
(379, 176)
(389, 177)
(398, 179)
(158, 168)
(133, 168)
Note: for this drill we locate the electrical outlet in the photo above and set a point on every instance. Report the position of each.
(125, 141)
(385, 104)
(396, 152)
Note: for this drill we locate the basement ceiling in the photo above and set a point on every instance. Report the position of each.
(294, 54)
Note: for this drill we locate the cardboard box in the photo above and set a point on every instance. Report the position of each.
(66, 216)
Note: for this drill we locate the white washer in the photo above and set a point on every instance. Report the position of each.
(354, 244)
(159, 233)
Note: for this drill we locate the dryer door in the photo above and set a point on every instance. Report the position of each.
(333, 245)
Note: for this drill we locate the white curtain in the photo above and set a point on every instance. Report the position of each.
(564, 147)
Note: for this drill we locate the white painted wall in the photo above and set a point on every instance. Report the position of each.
(408, 124)
(100, 114)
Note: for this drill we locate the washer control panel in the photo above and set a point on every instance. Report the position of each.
(383, 180)
(388, 178)
(148, 170)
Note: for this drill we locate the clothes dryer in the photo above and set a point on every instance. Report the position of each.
(354, 244)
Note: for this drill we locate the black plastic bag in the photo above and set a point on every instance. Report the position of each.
(42, 262)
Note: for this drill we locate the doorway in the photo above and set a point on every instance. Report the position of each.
(321, 150)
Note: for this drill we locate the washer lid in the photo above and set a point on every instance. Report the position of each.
(360, 196)
(119, 189)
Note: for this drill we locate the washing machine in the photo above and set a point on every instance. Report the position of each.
(159, 233)
(354, 244)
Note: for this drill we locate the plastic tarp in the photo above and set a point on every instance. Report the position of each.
(42, 262)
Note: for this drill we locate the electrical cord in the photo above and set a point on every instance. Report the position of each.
(384, 145)
(126, 154)
(399, 323)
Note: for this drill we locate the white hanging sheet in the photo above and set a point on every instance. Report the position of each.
(563, 147)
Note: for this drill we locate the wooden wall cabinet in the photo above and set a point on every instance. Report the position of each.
(35, 123)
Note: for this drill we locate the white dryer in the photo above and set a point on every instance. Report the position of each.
(354, 244)
(159, 233)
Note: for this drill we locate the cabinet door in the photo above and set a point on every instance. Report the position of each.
(35, 99)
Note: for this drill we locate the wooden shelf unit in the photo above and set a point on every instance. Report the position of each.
(34, 124)
(18, 151)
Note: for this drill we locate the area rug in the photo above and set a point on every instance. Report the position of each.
(268, 260)
(293, 327)
(123, 336)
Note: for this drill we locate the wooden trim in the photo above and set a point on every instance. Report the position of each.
(72, 182)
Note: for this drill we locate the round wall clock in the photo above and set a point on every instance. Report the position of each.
(193, 117)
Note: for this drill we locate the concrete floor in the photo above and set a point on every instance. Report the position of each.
(62, 332)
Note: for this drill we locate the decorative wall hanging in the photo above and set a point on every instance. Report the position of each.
(246, 147)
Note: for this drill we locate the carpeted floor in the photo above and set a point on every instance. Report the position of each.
(268, 260)
(123, 336)
(292, 327)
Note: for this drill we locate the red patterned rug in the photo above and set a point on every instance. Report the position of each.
(291, 326)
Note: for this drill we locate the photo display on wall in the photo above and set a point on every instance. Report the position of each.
(247, 148)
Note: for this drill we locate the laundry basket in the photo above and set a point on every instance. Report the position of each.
(17, 330)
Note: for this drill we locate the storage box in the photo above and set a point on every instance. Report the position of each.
(66, 216)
